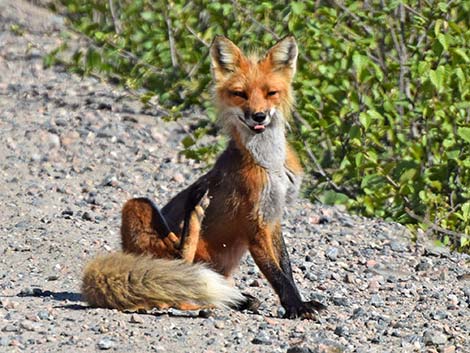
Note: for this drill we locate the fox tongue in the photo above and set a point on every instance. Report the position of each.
(259, 127)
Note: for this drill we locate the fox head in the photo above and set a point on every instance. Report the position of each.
(253, 94)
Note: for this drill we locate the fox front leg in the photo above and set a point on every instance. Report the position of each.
(270, 254)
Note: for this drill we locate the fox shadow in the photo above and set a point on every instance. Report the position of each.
(57, 296)
(77, 300)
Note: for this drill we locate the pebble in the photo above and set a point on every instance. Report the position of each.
(398, 246)
(376, 300)
(342, 331)
(4, 341)
(332, 253)
(432, 337)
(297, 349)
(86, 216)
(30, 325)
(136, 319)
(10, 328)
(54, 141)
(340, 301)
(178, 177)
(105, 343)
(262, 338)
(43, 315)
(219, 324)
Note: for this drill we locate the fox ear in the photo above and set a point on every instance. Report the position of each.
(225, 57)
(283, 55)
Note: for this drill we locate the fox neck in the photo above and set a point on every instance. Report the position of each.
(267, 149)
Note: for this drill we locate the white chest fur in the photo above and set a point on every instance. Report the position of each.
(269, 152)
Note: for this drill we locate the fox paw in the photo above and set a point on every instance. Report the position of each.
(306, 310)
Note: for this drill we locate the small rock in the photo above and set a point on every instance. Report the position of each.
(439, 315)
(105, 343)
(178, 177)
(332, 253)
(53, 140)
(29, 325)
(43, 315)
(376, 300)
(110, 180)
(136, 319)
(374, 285)
(342, 331)
(9, 304)
(412, 342)
(86, 216)
(31, 292)
(4, 341)
(448, 349)
(10, 328)
(398, 247)
(219, 324)
(424, 265)
(349, 278)
(432, 337)
(70, 138)
(444, 275)
(358, 312)
(205, 313)
(329, 346)
(340, 300)
(262, 338)
(157, 136)
(281, 312)
(297, 349)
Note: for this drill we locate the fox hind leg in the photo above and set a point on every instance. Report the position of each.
(144, 230)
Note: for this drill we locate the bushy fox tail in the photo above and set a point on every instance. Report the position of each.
(133, 282)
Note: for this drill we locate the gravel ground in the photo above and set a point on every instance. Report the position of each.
(73, 150)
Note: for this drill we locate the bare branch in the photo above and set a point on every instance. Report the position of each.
(171, 41)
(116, 22)
(193, 32)
(433, 226)
(254, 20)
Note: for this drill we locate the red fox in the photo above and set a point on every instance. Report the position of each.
(236, 207)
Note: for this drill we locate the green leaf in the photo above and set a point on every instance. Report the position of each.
(365, 119)
(464, 133)
(298, 8)
(437, 78)
(148, 16)
(442, 38)
(462, 54)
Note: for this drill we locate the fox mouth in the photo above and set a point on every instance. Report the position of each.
(256, 128)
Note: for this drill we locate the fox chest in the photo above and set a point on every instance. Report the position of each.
(272, 197)
(260, 196)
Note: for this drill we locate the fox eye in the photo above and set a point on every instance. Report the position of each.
(272, 93)
(240, 94)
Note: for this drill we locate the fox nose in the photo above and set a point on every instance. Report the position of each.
(259, 117)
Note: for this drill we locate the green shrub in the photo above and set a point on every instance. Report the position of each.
(383, 90)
